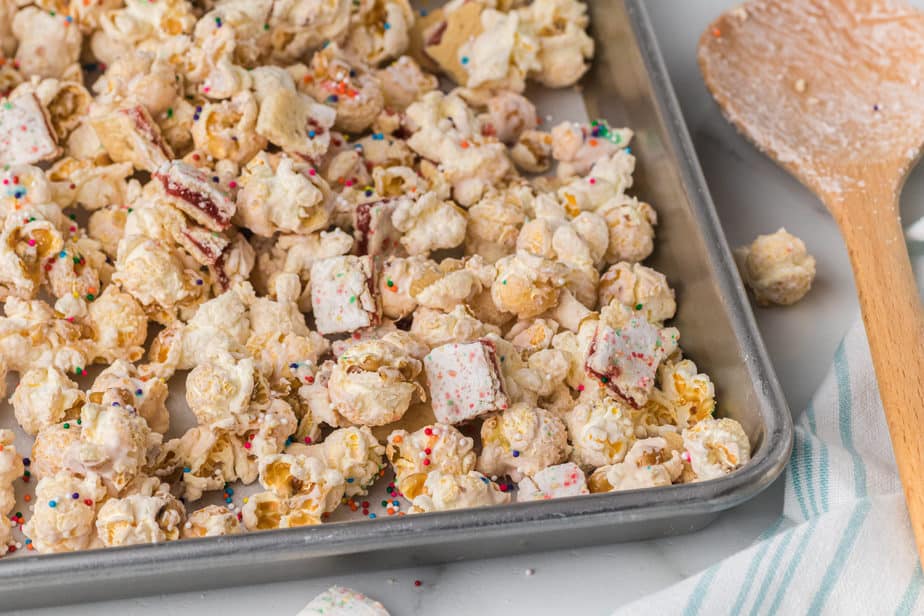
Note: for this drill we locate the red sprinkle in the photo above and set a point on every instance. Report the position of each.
(417, 583)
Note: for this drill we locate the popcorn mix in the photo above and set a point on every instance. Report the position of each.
(777, 268)
(255, 246)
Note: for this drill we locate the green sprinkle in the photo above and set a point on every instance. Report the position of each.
(66, 426)
(169, 112)
(90, 297)
(604, 379)
(638, 306)
(7, 105)
(352, 299)
(390, 283)
(503, 282)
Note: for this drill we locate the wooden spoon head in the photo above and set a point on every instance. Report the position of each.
(828, 88)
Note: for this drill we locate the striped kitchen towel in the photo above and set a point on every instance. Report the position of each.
(843, 544)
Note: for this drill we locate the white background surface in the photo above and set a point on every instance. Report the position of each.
(752, 196)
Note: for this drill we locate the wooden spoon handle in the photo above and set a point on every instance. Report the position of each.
(894, 322)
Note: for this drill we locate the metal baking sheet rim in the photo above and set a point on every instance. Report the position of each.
(286, 554)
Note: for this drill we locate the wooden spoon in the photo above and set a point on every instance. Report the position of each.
(833, 90)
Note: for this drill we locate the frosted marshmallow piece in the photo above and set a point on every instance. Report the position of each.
(343, 294)
(340, 601)
(626, 359)
(465, 381)
(195, 195)
(26, 135)
(559, 481)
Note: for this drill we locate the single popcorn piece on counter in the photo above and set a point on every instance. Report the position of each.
(465, 381)
(444, 492)
(601, 432)
(343, 294)
(11, 469)
(148, 514)
(191, 192)
(436, 447)
(38, 142)
(650, 463)
(130, 134)
(354, 452)
(640, 288)
(373, 383)
(341, 601)
(559, 481)
(777, 268)
(45, 397)
(60, 522)
(521, 441)
(624, 355)
(716, 447)
(211, 521)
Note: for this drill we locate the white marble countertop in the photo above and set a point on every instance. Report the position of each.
(752, 196)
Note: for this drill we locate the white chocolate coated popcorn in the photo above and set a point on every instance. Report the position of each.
(437, 447)
(522, 441)
(60, 522)
(354, 452)
(11, 468)
(443, 492)
(44, 397)
(211, 521)
(651, 463)
(601, 432)
(716, 447)
(777, 268)
(150, 514)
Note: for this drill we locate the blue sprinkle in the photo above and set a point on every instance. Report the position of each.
(628, 150)
(349, 480)
(228, 500)
(516, 454)
(378, 136)
(293, 366)
(396, 503)
(333, 98)
(52, 504)
(230, 491)
(186, 469)
(28, 541)
(423, 12)
(371, 516)
(464, 59)
(26, 461)
(387, 26)
(311, 134)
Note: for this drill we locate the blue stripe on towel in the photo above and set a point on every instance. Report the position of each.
(793, 566)
(910, 597)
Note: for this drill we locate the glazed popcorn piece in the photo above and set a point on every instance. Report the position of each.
(640, 288)
(26, 245)
(403, 82)
(90, 185)
(341, 601)
(527, 285)
(631, 225)
(688, 396)
(32, 336)
(129, 134)
(437, 447)
(500, 56)
(120, 326)
(465, 381)
(66, 101)
(777, 268)
(343, 294)
(444, 492)
(347, 85)
(379, 31)
(195, 195)
(532, 151)
(564, 46)
(48, 46)
(437, 328)
(494, 223)
(281, 196)
(601, 432)
(211, 521)
(61, 522)
(626, 358)
(522, 441)
(716, 447)
(212, 457)
(354, 452)
(26, 133)
(153, 272)
(301, 489)
(578, 148)
(373, 383)
(221, 391)
(57, 449)
(428, 223)
(113, 442)
(149, 514)
(11, 469)
(559, 481)
(45, 397)
(650, 463)
(149, 393)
